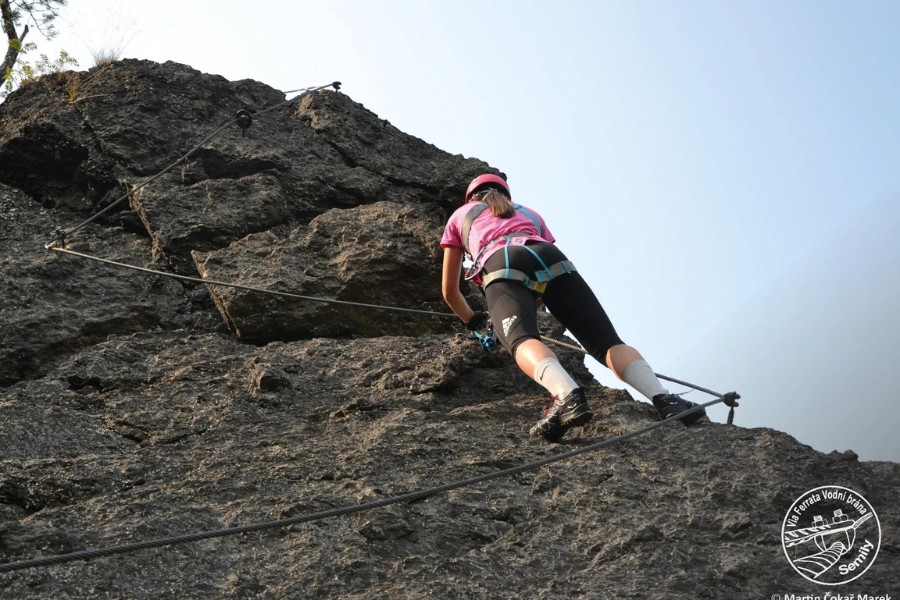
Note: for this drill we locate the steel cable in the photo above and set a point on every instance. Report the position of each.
(730, 399)
(246, 287)
(340, 511)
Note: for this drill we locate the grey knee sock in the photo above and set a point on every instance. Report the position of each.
(550, 374)
(641, 377)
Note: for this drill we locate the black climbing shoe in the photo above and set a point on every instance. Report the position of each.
(669, 405)
(561, 415)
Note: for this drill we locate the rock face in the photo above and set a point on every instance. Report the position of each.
(396, 243)
(134, 406)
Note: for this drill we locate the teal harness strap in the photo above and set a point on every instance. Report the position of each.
(539, 259)
(539, 284)
(506, 255)
(479, 208)
(541, 276)
(530, 215)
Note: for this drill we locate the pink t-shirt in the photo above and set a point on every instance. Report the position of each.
(487, 228)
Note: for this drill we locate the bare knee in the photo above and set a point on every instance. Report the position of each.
(529, 353)
(619, 357)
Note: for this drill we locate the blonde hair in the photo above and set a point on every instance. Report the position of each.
(499, 203)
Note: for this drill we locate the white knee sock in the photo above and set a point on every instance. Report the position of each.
(641, 377)
(550, 374)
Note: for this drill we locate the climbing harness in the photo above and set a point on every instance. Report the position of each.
(542, 276)
(479, 208)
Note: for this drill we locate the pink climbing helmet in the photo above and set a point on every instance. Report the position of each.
(485, 179)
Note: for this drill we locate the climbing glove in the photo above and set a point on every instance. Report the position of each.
(479, 321)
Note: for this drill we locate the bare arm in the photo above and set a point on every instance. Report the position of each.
(450, 284)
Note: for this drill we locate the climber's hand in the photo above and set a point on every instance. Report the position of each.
(479, 321)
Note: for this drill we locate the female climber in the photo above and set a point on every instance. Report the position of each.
(518, 265)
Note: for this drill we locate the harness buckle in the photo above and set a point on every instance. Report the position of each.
(543, 275)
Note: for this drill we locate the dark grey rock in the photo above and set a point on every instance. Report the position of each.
(382, 254)
(133, 408)
(54, 305)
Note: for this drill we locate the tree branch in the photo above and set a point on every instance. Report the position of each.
(40, 13)
(46, 18)
(14, 41)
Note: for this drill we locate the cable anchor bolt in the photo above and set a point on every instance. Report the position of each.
(244, 120)
(58, 240)
(730, 400)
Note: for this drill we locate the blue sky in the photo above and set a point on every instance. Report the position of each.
(723, 173)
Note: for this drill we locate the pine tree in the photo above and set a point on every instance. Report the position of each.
(41, 14)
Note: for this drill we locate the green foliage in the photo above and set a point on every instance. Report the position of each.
(14, 70)
(25, 72)
(17, 45)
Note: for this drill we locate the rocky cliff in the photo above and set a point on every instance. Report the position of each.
(135, 406)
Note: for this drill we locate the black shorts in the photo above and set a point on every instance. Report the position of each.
(568, 297)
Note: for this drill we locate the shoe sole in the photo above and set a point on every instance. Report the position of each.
(577, 420)
(688, 420)
(555, 434)
(543, 429)
(579, 415)
(692, 419)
